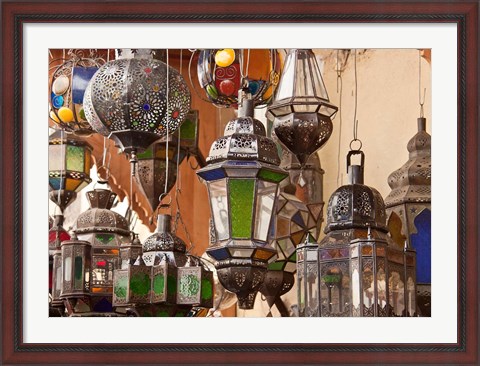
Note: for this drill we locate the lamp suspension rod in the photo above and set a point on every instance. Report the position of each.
(167, 123)
(420, 101)
(355, 120)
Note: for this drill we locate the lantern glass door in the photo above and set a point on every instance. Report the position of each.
(219, 206)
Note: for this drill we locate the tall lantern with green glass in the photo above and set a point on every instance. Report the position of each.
(69, 163)
(242, 178)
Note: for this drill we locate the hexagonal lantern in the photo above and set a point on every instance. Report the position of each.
(164, 281)
(301, 110)
(69, 163)
(242, 178)
(106, 231)
(409, 210)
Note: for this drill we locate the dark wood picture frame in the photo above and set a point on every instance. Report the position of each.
(463, 13)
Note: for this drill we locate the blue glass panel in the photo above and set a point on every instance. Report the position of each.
(298, 219)
(219, 254)
(81, 77)
(103, 306)
(214, 174)
(55, 183)
(422, 243)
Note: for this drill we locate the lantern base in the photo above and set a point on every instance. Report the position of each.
(134, 141)
(276, 284)
(63, 199)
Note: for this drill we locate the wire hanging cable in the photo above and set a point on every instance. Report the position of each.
(355, 121)
(339, 82)
(419, 85)
(165, 190)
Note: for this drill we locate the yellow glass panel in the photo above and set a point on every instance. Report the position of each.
(88, 161)
(72, 184)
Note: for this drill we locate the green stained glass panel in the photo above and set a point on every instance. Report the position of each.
(162, 313)
(75, 159)
(120, 287)
(189, 285)
(271, 176)
(104, 238)
(276, 266)
(187, 129)
(171, 285)
(241, 206)
(207, 290)
(140, 284)
(159, 284)
(147, 154)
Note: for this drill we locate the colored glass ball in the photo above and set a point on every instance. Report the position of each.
(225, 57)
(65, 114)
(227, 87)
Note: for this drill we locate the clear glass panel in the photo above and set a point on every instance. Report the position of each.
(68, 269)
(397, 292)
(312, 286)
(219, 204)
(285, 86)
(368, 286)
(356, 288)
(303, 81)
(75, 158)
(411, 303)
(266, 192)
(381, 288)
(58, 282)
(55, 157)
(241, 193)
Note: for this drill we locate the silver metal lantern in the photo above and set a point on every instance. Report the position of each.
(242, 178)
(408, 208)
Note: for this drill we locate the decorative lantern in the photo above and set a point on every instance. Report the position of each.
(66, 90)
(409, 209)
(76, 267)
(56, 235)
(127, 101)
(152, 169)
(164, 281)
(242, 178)
(220, 74)
(360, 266)
(301, 109)
(106, 231)
(69, 163)
(308, 289)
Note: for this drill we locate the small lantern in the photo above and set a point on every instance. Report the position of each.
(195, 284)
(76, 271)
(66, 90)
(126, 100)
(152, 169)
(220, 74)
(409, 210)
(301, 110)
(242, 178)
(106, 231)
(308, 286)
(69, 163)
(56, 236)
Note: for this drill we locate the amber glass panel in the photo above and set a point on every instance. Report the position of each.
(72, 184)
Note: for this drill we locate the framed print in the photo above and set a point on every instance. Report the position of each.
(447, 31)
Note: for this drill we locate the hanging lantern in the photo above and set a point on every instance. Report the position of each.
(151, 171)
(409, 210)
(56, 235)
(76, 267)
(126, 100)
(106, 231)
(164, 281)
(220, 74)
(360, 266)
(308, 289)
(301, 110)
(242, 178)
(67, 89)
(69, 163)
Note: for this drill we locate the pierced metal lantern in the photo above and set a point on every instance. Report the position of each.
(164, 281)
(308, 286)
(66, 91)
(360, 266)
(220, 74)
(301, 110)
(106, 231)
(56, 235)
(126, 100)
(69, 163)
(409, 210)
(76, 275)
(151, 170)
(242, 178)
